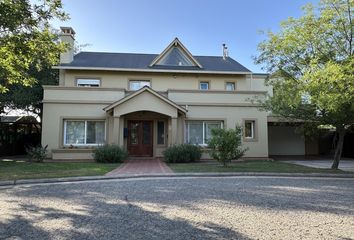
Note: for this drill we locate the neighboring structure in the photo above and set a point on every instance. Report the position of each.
(18, 133)
(147, 102)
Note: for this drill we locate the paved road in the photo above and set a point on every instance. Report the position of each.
(181, 208)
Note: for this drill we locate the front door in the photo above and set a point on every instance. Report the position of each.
(140, 138)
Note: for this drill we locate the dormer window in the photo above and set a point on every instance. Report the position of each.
(175, 57)
(88, 82)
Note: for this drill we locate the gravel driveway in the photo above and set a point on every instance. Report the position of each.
(181, 208)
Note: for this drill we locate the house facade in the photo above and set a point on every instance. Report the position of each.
(147, 102)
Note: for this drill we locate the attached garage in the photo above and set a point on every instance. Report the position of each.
(285, 140)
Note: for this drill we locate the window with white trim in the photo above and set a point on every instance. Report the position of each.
(204, 85)
(230, 86)
(84, 132)
(199, 132)
(137, 84)
(88, 82)
(250, 129)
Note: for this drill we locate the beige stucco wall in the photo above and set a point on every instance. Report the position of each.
(213, 98)
(82, 94)
(54, 114)
(285, 140)
(235, 115)
(145, 101)
(165, 81)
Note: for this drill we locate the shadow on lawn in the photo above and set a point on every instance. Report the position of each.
(137, 209)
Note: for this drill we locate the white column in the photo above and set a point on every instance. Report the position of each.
(121, 132)
(115, 132)
(174, 130)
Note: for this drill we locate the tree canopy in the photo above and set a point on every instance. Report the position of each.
(27, 41)
(311, 64)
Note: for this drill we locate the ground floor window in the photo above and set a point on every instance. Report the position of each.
(84, 132)
(160, 132)
(249, 127)
(199, 132)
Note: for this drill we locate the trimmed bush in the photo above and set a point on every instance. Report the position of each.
(110, 154)
(36, 154)
(226, 144)
(182, 153)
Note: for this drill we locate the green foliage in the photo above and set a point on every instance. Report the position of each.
(36, 154)
(110, 154)
(225, 144)
(312, 67)
(182, 153)
(27, 42)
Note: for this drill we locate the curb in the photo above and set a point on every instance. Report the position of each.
(176, 175)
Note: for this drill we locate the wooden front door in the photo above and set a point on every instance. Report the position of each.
(140, 138)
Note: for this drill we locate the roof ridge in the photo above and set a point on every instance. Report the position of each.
(144, 53)
(118, 53)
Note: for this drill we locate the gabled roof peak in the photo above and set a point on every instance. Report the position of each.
(175, 54)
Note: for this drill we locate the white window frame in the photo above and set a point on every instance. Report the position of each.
(234, 85)
(253, 126)
(140, 82)
(85, 82)
(204, 122)
(204, 82)
(85, 136)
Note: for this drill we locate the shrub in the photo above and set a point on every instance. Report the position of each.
(36, 154)
(182, 153)
(225, 144)
(109, 154)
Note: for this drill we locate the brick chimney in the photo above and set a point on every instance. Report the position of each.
(67, 36)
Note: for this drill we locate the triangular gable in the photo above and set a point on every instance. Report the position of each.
(148, 89)
(176, 54)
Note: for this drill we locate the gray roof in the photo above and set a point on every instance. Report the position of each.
(142, 62)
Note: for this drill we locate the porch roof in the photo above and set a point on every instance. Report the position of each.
(142, 90)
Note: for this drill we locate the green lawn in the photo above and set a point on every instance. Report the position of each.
(10, 170)
(247, 166)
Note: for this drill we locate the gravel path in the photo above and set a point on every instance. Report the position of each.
(181, 208)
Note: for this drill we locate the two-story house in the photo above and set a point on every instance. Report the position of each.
(147, 102)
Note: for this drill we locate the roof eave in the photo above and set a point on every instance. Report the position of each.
(114, 104)
(150, 70)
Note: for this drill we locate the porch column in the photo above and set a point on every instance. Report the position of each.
(121, 132)
(174, 130)
(115, 132)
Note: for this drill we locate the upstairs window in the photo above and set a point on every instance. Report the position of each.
(230, 86)
(137, 84)
(204, 85)
(88, 82)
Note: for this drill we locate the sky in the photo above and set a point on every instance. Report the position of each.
(148, 26)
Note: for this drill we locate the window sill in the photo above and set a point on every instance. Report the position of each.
(250, 139)
(73, 150)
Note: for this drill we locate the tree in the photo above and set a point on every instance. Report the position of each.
(27, 98)
(27, 41)
(225, 144)
(311, 64)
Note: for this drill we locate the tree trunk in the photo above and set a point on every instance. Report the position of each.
(339, 148)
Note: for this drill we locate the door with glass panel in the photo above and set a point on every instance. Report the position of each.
(140, 138)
